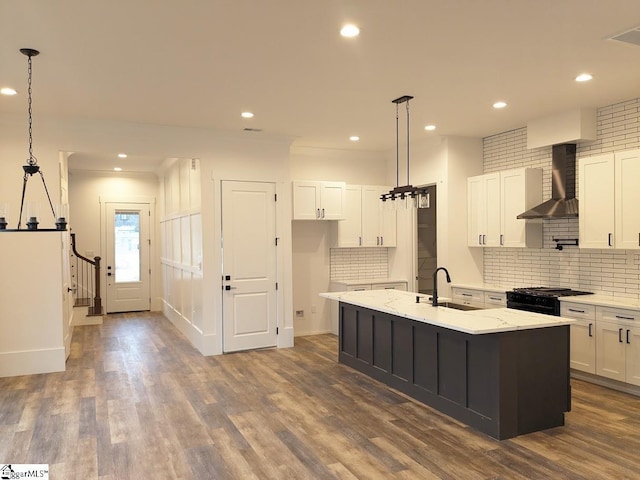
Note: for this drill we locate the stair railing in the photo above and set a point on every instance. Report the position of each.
(86, 281)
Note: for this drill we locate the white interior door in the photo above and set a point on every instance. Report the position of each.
(127, 263)
(249, 265)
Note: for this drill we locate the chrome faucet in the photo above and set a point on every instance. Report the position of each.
(434, 299)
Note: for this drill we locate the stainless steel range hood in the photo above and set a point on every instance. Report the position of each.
(563, 202)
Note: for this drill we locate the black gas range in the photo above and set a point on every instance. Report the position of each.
(540, 299)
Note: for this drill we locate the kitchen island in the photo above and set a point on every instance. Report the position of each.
(501, 371)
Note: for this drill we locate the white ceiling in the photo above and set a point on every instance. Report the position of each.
(200, 63)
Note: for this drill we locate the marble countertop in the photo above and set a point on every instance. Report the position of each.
(603, 300)
(475, 322)
(372, 281)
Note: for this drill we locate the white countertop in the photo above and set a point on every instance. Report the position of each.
(487, 287)
(476, 322)
(604, 300)
(372, 281)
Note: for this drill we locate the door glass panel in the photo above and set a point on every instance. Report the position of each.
(127, 246)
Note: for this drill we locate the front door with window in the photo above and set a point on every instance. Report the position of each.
(127, 263)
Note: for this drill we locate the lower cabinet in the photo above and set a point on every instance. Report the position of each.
(479, 298)
(497, 383)
(583, 335)
(605, 341)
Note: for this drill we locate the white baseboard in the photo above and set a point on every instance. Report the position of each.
(606, 382)
(304, 333)
(32, 362)
(206, 344)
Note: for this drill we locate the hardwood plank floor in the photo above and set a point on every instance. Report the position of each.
(138, 400)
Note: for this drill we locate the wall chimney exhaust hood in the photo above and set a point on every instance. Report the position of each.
(563, 202)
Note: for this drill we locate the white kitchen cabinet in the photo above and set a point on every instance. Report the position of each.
(468, 296)
(610, 350)
(495, 200)
(366, 223)
(495, 300)
(627, 200)
(583, 335)
(520, 190)
(618, 344)
(318, 200)
(609, 199)
(596, 195)
(483, 210)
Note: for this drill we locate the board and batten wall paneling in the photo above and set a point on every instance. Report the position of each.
(610, 272)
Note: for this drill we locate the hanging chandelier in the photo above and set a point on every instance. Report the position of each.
(32, 167)
(408, 193)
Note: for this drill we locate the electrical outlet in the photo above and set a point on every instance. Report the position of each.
(299, 313)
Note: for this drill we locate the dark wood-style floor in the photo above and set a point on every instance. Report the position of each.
(138, 401)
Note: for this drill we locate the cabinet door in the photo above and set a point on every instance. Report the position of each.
(350, 229)
(632, 339)
(332, 200)
(475, 211)
(371, 216)
(306, 200)
(388, 234)
(583, 346)
(596, 187)
(520, 190)
(610, 350)
(627, 199)
(492, 230)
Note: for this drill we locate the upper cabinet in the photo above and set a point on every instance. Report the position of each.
(495, 200)
(366, 223)
(609, 199)
(318, 200)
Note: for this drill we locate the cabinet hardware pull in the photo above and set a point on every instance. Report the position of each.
(590, 331)
(484, 239)
(323, 213)
(639, 239)
(360, 241)
(501, 239)
(620, 317)
(575, 310)
(495, 298)
(467, 295)
(628, 336)
(381, 240)
(610, 235)
(378, 241)
(620, 335)
(479, 239)
(318, 213)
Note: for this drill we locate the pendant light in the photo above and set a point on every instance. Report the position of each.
(31, 168)
(407, 193)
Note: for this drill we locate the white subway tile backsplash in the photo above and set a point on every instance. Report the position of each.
(607, 272)
(359, 263)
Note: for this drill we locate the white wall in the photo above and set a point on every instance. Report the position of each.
(31, 315)
(86, 216)
(609, 272)
(223, 155)
(312, 240)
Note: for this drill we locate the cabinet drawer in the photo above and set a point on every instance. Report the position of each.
(497, 299)
(389, 286)
(577, 310)
(618, 315)
(357, 288)
(468, 296)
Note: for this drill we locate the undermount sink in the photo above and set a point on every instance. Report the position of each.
(458, 306)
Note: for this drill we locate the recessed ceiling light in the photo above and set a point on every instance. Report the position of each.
(118, 169)
(122, 155)
(354, 138)
(247, 115)
(499, 105)
(7, 91)
(349, 30)
(430, 127)
(584, 77)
